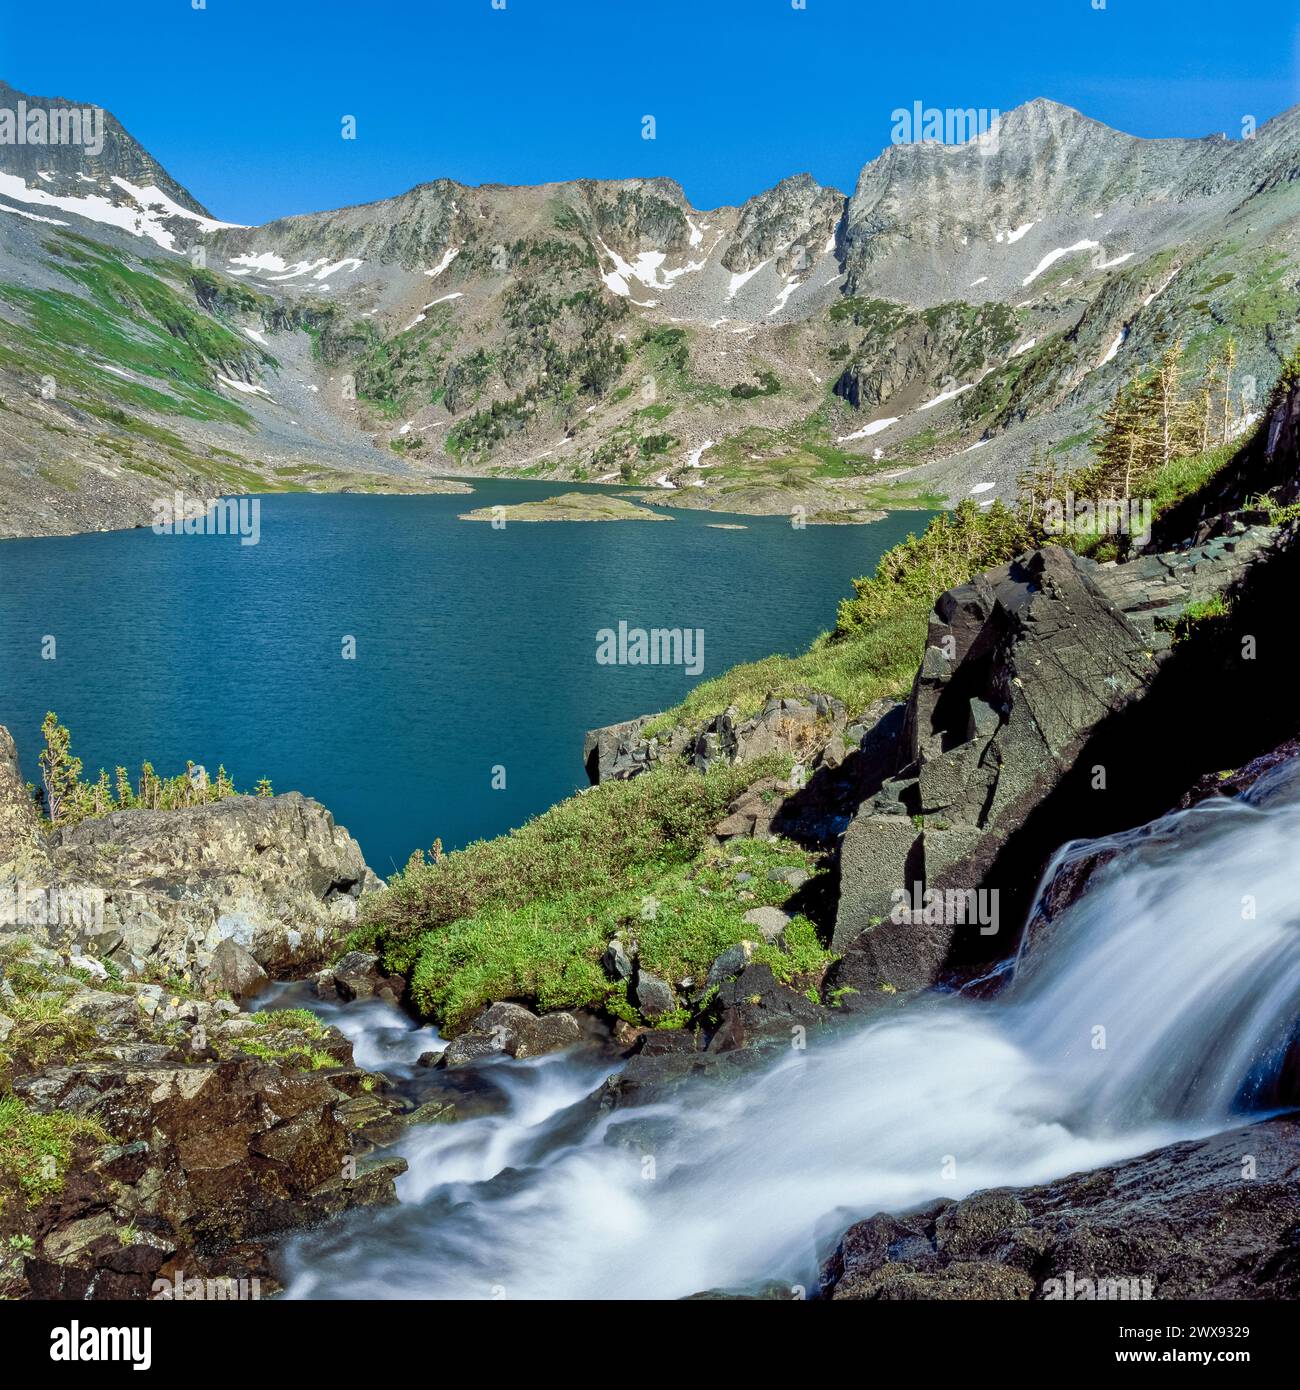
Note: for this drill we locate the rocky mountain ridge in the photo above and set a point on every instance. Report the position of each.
(964, 306)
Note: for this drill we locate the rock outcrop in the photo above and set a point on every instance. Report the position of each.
(161, 891)
(22, 845)
(1214, 1218)
(813, 730)
(151, 1131)
(508, 1029)
(795, 222)
(1022, 667)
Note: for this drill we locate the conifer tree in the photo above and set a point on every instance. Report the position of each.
(1038, 482)
(60, 771)
(1229, 362)
(1131, 440)
(1174, 417)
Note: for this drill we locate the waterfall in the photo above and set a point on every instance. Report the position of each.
(1158, 1006)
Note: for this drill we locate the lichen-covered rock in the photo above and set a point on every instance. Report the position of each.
(756, 1006)
(162, 890)
(186, 1127)
(652, 995)
(235, 970)
(810, 730)
(22, 845)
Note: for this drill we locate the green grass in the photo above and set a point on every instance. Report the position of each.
(294, 1056)
(1072, 441)
(665, 355)
(663, 816)
(759, 463)
(1184, 476)
(520, 915)
(547, 951)
(1267, 297)
(285, 1036)
(876, 661)
(1210, 610)
(128, 318)
(36, 1149)
(302, 1020)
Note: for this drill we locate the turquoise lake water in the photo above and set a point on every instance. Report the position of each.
(475, 647)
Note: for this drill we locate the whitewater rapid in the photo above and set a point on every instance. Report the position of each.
(1157, 1007)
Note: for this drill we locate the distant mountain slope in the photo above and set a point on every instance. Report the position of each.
(919, 338)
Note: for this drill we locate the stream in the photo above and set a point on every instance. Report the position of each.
(1159, 1006)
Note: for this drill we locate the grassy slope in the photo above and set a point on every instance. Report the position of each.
(528, 915)
(129, 318)
(145, 318)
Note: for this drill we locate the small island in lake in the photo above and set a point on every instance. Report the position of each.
(569, 506)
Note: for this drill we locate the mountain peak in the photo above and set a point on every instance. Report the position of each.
(113, 153)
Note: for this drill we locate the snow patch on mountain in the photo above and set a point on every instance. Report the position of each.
(742, 277)
(1013, 236)
(787, 290)
(33, 216)
(448, 256)
(873, 428)
(646, 269)
(151, 208)
(1052, 257)
(946, 396)
(1115, 346)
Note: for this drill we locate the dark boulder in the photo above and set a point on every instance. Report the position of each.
(756, 1006)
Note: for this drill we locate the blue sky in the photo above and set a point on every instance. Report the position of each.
(242, 101)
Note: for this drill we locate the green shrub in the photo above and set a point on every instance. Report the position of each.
(64, 798)
(953, 548)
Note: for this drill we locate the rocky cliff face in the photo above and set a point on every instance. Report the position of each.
(815, 731)
(1043, 168)
(797, 222)
(71, 168)
(272, 876)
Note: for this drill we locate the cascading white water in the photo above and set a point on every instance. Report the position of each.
(1155, 1008)
(382, 1037)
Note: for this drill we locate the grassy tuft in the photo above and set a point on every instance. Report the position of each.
(36, 1149)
